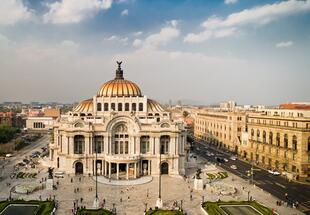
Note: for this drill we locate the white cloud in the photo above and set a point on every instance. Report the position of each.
(138, 33)
(70, 44)
(13, 11)
(125, 12)
(255, 16)
(284, 44)
(230, 1)
(165, 35)
(117, 39)
(74, 11)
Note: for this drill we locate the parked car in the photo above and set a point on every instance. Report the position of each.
(225, 159)
(233, 167)
(233, 158)
(8, 155)
(220, 160)
(59, 174)
(26, 161)
(21, 164)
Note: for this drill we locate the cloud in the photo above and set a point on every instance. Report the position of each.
(165, 35)
(70, 44)
(125, 12)
(138, 33)
(13, 11)
(117, 39)
(74, 11)
(284, 44)
(260, 15)
(230, 1)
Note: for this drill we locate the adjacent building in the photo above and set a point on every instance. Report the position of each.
(280, 139)
(221, 128)
(272, 138)
(120, 133)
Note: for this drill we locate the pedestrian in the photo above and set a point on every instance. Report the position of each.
(191, 197)
(81, 200)
(71, 180)
(121, 200)
(79, 179)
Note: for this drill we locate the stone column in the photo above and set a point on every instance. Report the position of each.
(105, 168)
(117, 171)
(149, 167)
(135, 171)
(127, 171)
(71, 145)
(109, 169)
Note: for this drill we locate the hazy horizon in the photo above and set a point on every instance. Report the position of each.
(250, 52)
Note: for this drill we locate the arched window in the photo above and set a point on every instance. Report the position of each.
(278, 139)
(120, 107)
(99, 107)
(106, 106)
(126, 106)
(140, 106)
(79, 144)
(164, 144)
(264, 136)
(285, 141)
(121, 140)
(270, 138)
(294, 142)
(134, 107)
(258, 135)
(144, 144)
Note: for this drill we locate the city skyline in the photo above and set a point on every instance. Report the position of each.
(251, 52)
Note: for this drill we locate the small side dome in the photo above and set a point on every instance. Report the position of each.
(84, 106)
(154, 106)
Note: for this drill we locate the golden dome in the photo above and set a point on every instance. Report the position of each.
(84, 106)
(119, 86)
(154, 106)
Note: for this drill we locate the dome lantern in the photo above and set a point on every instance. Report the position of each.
(119, 87)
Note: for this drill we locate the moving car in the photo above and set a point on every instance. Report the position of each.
(273, 172)
(233, 167)
(225, 159)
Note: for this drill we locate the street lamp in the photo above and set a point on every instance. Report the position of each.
(159, 202)
(96, 201)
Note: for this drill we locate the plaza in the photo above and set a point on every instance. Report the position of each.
(130, 199)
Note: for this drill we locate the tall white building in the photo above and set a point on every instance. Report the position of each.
(134, 135)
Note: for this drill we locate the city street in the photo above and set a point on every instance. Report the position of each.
(18, 157)
(276, 185)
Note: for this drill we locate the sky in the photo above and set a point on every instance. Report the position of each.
(199, 51)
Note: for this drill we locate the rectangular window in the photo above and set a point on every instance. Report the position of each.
(134, 107)
(106, 106)
(112, 106)
(116, 147)
(140, 106)
(121, 151)
(126, 147)
(126, 106)
(120, 107)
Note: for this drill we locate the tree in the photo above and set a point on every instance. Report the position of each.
(185, 114)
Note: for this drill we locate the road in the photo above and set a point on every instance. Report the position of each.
(9, 163)
(275, 185)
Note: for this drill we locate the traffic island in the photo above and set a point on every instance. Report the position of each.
(31, 207)
(236, 208)
(163, 212)
(99, 211)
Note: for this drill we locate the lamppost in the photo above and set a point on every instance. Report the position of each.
(159, 202)
(96, 201)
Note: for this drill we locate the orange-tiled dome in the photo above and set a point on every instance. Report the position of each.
(119, 86)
